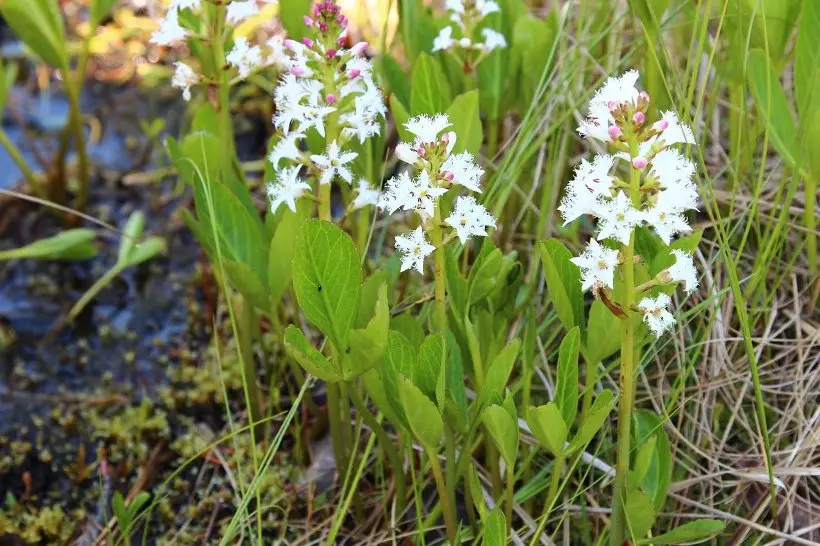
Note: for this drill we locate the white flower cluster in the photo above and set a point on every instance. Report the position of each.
(665, 190)
(467, 14)
(325, 84)
(243, 56)
(431, 152)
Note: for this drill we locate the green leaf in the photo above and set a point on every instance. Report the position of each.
(454, 372)
(566, 388)
(397, 80)
(131, 234)
(563, 284)
(416, 28)
(429, 366)
(147, 249)
(640, 513)
(535, 42)
(314, 362)
(138, 502)
(39, 25)
(120, 511)
(495, 528)
(410, 327)
(548, 427)
(503, 429)
(99, 10)
(291, 13)
(650, 12)
(69, 245)
(497, 376)
(247, 283)
(282, 246)
(399, 360)
(367, 345)
(371, 288)
(773, 106)
(655, 480)
(401, 116)
(8, 75)
(327, 277)
(689, 533)
(464, 115)
(807, 61)
(374, 385)
(607, 333)
(643, 459)
(430, 90)
(198, 158)
(484, 275)
(422, 415)
(597, 416)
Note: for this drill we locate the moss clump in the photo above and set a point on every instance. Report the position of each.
(49, 525)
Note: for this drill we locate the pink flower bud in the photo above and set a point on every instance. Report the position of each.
(643, 95)
(307, 41)
(323, 26)
(660, 125)
(341, 41)
(340, 19)
(308, 21)
(297, 70)
(330, 53)
(293, 45)
(421, 151)
(638, 118)
(612, 105)
(639, 162)
(614, 131)
(331, 98)
(353, 73)
(359, 48)
(448, 176)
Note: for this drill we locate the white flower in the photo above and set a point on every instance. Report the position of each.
(674, 175)
(597, 264)
(406, 153)
(470, 218)
(486, 7)
(617, 218)
(444, 40)
(493, 39)
(169, 30)
(366, 195)
(423, 196)
(684, 271)
(414, 249)
(456, 6)
(333, 164)
(597, 123)
(287, 188)
(591, 181)
(362, 122)
(184, 78)
(240, 10)
(655, 314)
(397, 193)
(426, 128)
(673, 131)
(618, 90)
(666, 221)
(278, 57)
(286, 148)
(244, 57)
(464, 171)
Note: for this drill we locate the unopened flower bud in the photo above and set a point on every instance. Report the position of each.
(614, 132)
(330, 53)
(308, 21)
(293, 45)
(297, 70)
(660, 125)
(322, 26)
(638, 118)
(353, 73)
(644, 96)
(331, 98)
(612, 105)
(639, 162)
(307, 41)
(448, 176)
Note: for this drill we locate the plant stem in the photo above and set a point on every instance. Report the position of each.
(21, 163)
(387, 446)
(441, 279)
(508, 505)
(810, 222)
(323, 198)
(333, 395)
(224, 95)
(627, 373)
(92, 292)
(589, 387)
(245, 325)
(555, 481)
(76, 123)
(444, 497)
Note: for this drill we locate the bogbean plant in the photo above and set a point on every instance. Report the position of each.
(436, 367)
